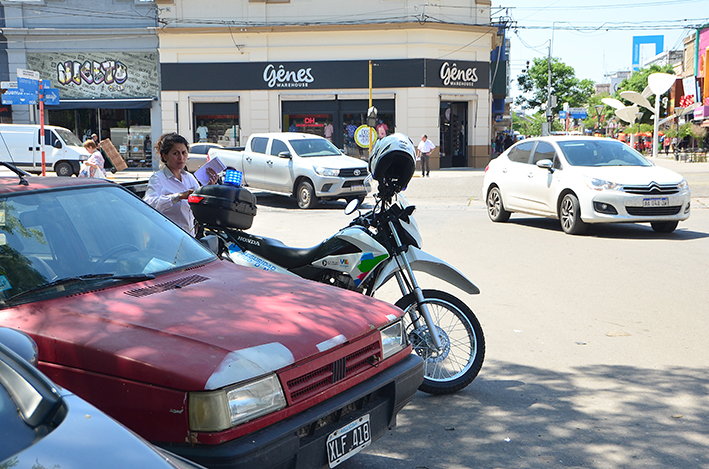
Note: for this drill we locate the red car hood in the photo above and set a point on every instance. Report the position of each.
(198, 329)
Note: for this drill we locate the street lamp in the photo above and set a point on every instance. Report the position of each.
(599, 109)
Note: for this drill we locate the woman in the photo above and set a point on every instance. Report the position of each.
(93, 167)
(169, 188)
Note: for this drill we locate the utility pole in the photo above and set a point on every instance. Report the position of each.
(547, 130)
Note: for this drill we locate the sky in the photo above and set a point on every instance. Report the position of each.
(595, 37)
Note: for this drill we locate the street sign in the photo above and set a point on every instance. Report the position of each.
(578, 112)
(28, 74)
(15, 96)
(6, 85)
(51, 96)
(27, 85)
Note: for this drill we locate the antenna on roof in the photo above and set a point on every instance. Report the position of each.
(20, 173)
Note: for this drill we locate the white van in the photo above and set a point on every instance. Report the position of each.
(20, 145)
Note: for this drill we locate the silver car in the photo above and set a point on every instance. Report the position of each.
(583, 180)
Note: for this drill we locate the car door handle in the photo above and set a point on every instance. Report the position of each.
(248, 158)
(504, 170)
(530, 175)
(269, 162)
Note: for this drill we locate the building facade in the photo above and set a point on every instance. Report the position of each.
(103, 59)
(304, 65)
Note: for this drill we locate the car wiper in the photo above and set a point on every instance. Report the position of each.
(80, 278)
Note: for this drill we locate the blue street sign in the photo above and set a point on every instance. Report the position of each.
(51, 96)
(562, 114)
(15, 96)
(46, 84)
(27, 86)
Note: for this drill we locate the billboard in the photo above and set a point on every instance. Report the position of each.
(640, 53)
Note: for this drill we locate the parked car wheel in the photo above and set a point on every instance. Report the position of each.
(63, 169)
(495, 209)
(306, 195)
(570, 215)
(664, 226)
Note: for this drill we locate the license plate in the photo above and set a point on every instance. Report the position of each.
(349, 440)
(357, 188)
(656, 202)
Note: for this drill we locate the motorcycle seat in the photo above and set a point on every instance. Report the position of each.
(287, 256)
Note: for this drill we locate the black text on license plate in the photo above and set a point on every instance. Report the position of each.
(656, 202)
(349, 440)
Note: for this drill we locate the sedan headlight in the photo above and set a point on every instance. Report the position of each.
(214, 411)
(602, 185)
(326, 171)
(393, 339)
(683, 185)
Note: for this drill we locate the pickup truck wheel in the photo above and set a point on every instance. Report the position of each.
(306, 195)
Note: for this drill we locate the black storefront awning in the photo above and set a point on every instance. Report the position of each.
(119, 103)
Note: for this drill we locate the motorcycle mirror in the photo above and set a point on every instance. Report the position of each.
(351, 206)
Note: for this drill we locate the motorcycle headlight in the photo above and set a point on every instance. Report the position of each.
(602, 185)
(214, 411)
(326, 171)
(393, 339)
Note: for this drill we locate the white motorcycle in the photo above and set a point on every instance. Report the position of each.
(379, 245)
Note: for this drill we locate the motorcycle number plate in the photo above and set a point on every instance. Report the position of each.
(349, 440)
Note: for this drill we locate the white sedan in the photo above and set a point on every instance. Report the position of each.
(582, 180)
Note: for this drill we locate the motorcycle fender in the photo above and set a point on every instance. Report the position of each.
(423, 262)
(249, 259)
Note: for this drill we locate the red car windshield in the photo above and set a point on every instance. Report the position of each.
(69, 236)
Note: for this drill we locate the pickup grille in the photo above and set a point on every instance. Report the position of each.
(324, 372)
(350, 172)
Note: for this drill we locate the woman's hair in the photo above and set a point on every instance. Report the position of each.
(89, 143)
(167, 141)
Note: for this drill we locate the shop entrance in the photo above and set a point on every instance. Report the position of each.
(454, 140)
(217, 123)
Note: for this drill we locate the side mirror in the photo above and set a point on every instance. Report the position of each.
(546, 164)
(284, 154)
(57, 144)
(352, 205)
(20, 343)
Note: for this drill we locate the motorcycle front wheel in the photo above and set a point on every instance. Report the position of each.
(460, 358)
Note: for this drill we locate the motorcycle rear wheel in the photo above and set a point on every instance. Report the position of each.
(460, 359)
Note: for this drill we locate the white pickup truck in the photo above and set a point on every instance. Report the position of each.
(306, 166)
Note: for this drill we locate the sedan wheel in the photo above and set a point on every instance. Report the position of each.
(664, 226)
(495, 209)
(570, 215)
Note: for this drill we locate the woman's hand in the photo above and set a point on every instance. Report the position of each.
(186, 194)
(213, 176)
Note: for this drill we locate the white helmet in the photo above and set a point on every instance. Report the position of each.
(393, 162)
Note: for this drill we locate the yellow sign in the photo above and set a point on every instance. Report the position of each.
(361, 135)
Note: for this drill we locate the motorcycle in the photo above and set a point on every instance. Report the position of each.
(379, 245)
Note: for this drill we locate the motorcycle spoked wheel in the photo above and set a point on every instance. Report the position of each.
(460, 358)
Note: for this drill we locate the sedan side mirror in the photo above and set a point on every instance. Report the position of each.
(546, 164)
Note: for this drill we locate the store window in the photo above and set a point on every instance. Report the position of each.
(128, 129)
(217, 123)
(318, 124)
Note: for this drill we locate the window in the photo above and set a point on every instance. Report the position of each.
(278, 146)
(544, 151)
(258, 144)
(521, 153)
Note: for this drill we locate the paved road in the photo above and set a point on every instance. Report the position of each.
(596, 344)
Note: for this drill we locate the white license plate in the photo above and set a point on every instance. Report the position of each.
(349, 440)
(656, 202)
(357, 188)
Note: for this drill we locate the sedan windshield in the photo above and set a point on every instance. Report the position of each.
(314, 147)
(58, 242)
(601, 153)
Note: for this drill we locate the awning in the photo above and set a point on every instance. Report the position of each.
(705, 123)
(117, 103)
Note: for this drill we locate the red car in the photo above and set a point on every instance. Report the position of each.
(224, 365)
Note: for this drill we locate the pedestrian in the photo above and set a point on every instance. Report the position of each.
(666, 144)
(424, 154)
(202, 132)
(93, 166)
(94, 137)
(169, 188)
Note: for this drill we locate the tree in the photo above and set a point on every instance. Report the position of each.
(564, 85)
(532, 125)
